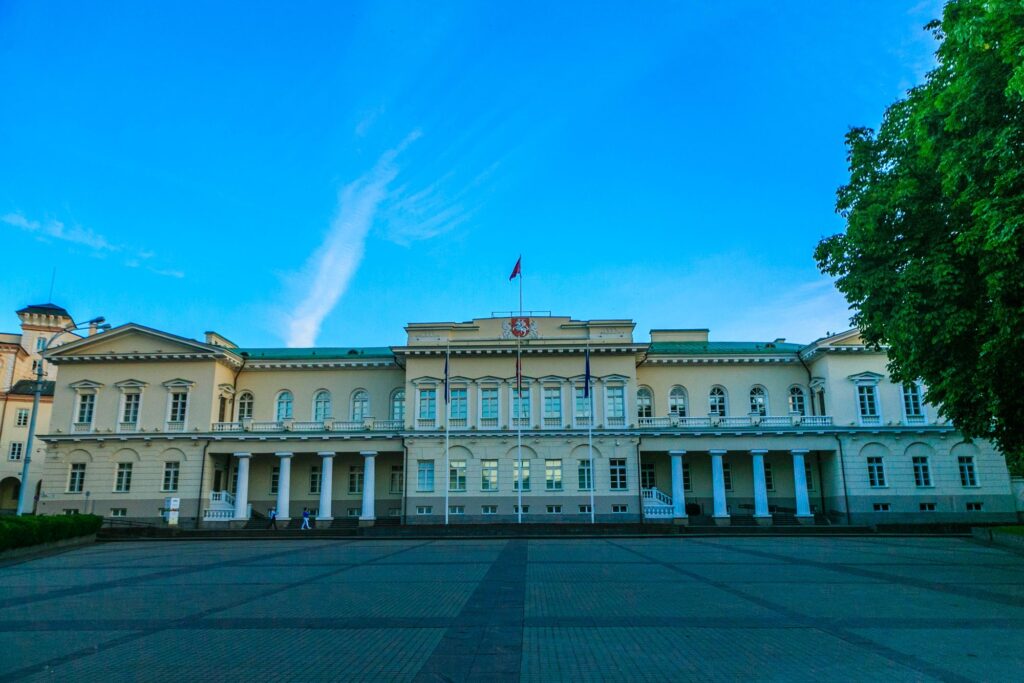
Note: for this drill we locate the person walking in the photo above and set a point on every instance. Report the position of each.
(273, 518)
(305, 518)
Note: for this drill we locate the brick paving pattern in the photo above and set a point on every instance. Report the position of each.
(673, 609)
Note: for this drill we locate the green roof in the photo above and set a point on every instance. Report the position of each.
(325, 352)
(698, 348)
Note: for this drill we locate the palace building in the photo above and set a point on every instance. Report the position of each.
(675, 429)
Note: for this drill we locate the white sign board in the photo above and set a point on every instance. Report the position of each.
(172, 511)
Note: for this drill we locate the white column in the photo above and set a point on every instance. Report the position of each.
(803, 506)
(718, 485)
(760, 488)
(369, 461)
(678, 492)
(284, 483)
(242, 490)
(326, 485)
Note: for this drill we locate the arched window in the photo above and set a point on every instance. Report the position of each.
(398, 405)
(360, 405)
(322, 408)
(644, 403)
(717, 402)
(284, 406)
(677, 402)
(758, 401)
(245, 401)
(797, 401)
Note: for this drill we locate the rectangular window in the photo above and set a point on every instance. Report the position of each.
(968, 477)
(769, 478)
(525, 475)
(488, 475)
(620, 509)
(515, 509)
(521, 407)
(585, 472)
(881, 507)
(424, 509)
(22, 418)
(926, 507)
(553, 475)
(552, 406)
(584, 509)
(687, 482)
(76, 477)
(459, 405)
(617, 474)
(234, 480)
(456, 509)
(275, 477)
(457, 475)
(70, 511)
(397, 480)
(118, 512)
(807, 475)
(615, 405)
(355, 479)
(647, 478)
(922, 472)
(876, 472)
(314, 479)
(582, 406)
(727, 476)
(867, 402)
(179, 405)
(554, 509)
(428, 404)
(489, 509)
(130, 409)
(394, 512)
(975, 507)
(489, 405)
(40, 344)
(353, 512)
(16, 450)
(86, 408)
(912, 405)
(425, 475)
(171, 473)
(123, 478)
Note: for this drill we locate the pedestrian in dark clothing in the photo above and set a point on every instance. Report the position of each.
(273, 518)
(305, 518)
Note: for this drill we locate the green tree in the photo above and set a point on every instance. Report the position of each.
(931, 259)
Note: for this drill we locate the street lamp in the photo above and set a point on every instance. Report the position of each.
(98, 322)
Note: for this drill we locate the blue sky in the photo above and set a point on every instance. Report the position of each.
(327, 172)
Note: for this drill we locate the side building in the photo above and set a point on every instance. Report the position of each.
(544, 419)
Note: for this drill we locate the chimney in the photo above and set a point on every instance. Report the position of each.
(92, 328)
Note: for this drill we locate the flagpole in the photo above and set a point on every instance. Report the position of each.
(447, 431)
(519, 401)
(590, 438)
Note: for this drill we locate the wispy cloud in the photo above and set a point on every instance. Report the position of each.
(327, 273)
(85, 237)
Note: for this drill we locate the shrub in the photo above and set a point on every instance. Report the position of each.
(28, 530)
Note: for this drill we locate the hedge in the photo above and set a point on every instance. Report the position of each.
(20, 532)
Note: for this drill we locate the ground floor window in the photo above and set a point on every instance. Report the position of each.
(456, 509)
(881, 507)
(489, 509)
(353, 512)
(769, 478)
(488, 476)
(70, 511)
(424, 509)
(647, 476)
(968, 475)
(927, 507)
(553, 475)
(76, 477)
(687, 482)
(807, 475)
(617, 474)
(526, 509)
(397, 480)
(171, 472)
(118, 512)
(554, 509)
(123, 478)
(523, 476)
(355, 479)
(394, 512)
(584, 509)
(975, 507)
(619, 509)
(727, 476)
(425, 477)
(275, 478)
(585, 472)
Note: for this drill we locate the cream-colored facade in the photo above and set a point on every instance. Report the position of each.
(41, 324)
(675, 429)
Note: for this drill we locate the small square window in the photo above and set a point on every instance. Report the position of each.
(584, 509)
(21, 420)
(554, 509)
(118, 512)
(881, 507)
(70, 511)
(456, 509)
(489, 509)
(16, 451)
(926, 507)
(975, 507)
(620, 509)
(424, 509)
(526, 509)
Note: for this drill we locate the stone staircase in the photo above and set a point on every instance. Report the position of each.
(657, 505)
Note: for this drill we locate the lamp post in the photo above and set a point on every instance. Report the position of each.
(35, 403)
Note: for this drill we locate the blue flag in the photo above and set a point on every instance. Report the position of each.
(586, 378)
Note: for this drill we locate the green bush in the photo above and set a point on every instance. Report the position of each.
(21, 532)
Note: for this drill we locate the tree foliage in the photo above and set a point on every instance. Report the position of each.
(932, 259)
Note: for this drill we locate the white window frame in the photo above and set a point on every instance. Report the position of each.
(613, 470)
(526, 404)
(646, 402)
(584, 417)
(678, 395)
(396, 482)
(796, 407)
(247, 399)
(551, 393)
(489, 484)
(585, 474)
(428, 421)
(359, 405)
(123, 477)
(613, 409)
(459, 413)
(487, 419)
(171, 477)
(458, 476)
(323, 406)
(917, 394)
(922, 471)
(83, 390)
(174, 387)
(424, 476)
(76, 484)
(397, 409)
(713, 402)
(553, 479)
(876, 472)
(315, 479)
(356, 479)
(525, 474)
(866, 387)
(16, 456)
(968, 470)
(284, 405)
(21, 417)
(648, 476)
(759, 400)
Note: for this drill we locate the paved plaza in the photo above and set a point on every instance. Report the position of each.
(776, 608)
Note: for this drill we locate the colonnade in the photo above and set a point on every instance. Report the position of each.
(720, 510)
(368, 514)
